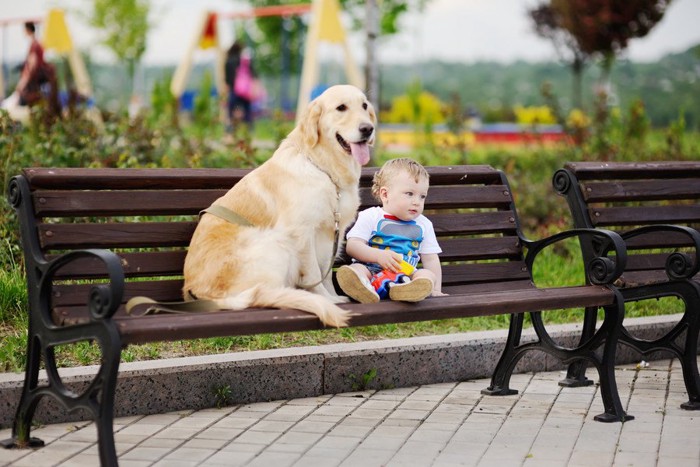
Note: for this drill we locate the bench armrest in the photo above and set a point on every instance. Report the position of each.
(601, 269)
(104, 299)
(678, 265)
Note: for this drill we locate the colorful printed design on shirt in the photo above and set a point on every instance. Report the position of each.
(403, 237)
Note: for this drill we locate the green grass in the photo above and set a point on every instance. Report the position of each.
(13, 321)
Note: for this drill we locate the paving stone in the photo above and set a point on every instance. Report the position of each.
(368, 458)
(189, 454)
(309, 426)
(144, 453)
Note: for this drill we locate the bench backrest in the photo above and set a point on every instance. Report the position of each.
(621, 196)
(147, 216)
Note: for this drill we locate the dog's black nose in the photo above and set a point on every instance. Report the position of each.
(366, 130)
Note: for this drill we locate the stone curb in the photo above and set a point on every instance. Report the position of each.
(194, 383)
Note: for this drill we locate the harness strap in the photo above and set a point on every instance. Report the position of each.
(226, 214)
(155, 307)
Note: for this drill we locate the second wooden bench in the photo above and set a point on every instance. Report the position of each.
(654, 206)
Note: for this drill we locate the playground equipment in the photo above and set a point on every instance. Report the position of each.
(206, 37)
(56, 38)
(325, 25)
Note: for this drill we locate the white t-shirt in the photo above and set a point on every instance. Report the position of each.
(367, 228)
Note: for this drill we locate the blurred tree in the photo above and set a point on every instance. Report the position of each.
(548, 24)
(124, 25)
(601, 28)
(605, 27)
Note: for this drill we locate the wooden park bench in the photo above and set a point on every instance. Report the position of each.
(94, 238)
(654, 206)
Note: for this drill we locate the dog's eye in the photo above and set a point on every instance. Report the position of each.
(341, 108)
(364, 105)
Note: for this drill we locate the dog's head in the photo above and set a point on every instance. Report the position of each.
(342, 120)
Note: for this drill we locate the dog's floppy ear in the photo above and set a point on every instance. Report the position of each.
(310, 131)
(372, 114)
(373, 118)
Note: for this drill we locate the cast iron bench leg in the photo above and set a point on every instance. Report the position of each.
(607, 336)
(689, 359)
(576, 372)
(686, 330)
(509, 358)
(104, 398)
(610, 330)
(28, 401)
(98, 398)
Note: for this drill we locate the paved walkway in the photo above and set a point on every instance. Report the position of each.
(436, 425)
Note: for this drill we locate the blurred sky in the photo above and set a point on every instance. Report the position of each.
(453, 30)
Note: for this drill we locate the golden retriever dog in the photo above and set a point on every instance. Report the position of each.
(292, 207)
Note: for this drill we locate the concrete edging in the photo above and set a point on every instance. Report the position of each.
(191, 383)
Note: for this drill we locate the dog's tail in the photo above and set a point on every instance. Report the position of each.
(286, 297)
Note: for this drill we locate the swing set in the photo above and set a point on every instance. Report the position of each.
(324, 26)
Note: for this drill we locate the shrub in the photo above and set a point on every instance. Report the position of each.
(417, 107)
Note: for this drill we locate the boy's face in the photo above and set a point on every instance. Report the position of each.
(403, 197)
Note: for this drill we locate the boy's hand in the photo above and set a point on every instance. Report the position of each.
(388, 259)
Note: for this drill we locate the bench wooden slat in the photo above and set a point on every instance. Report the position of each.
(140, 264)
(167, 263)
(484, 272)
(131, 179)
(470, 249)
(455, 196)
(647, 261)
(644, 190)
(641, 278)
(54, 203)
(649, 215)
(123, 203)
(168, 179)
(638, 170)
(178, 234)
(487, 287)
(168, 290)
(473, 223)
(664, 240)
(135, 330)
(116, 235)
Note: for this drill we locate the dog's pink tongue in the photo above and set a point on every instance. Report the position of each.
(360, 151)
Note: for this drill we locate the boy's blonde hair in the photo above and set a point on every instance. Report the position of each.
(392, 168)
